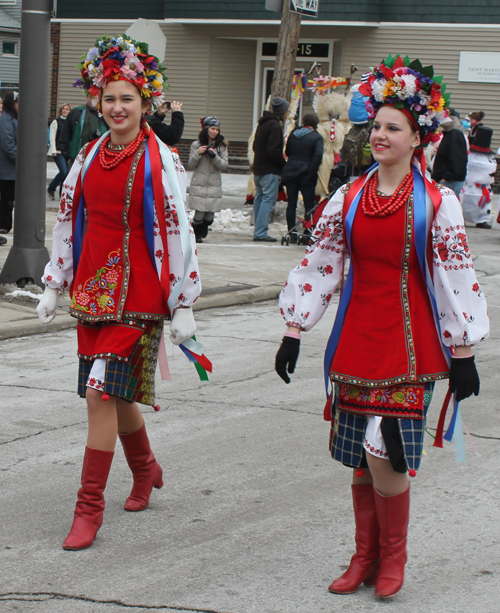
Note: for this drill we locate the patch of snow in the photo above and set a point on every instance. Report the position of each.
(21, 293)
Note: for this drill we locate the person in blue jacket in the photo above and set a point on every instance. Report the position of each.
(8, 153)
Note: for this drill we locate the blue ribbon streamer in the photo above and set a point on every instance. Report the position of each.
(333, 341)
(148, 205)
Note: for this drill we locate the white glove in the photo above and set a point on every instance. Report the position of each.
(182, 325)
(47, 306)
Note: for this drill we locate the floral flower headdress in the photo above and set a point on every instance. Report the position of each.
(413, 89)
(121, 57)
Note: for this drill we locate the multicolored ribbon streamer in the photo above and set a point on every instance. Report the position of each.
(194, 352)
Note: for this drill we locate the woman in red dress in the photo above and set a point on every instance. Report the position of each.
(409, 314)
(124, 248)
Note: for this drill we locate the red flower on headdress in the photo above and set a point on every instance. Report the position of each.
(387, 72)
(110, 68)
(94, 91)
(398, 63)
(365, 89)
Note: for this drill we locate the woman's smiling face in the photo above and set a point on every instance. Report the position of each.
(122, 108)
(392, 139)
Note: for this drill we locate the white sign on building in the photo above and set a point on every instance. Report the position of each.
(305, 7)
(479, 67)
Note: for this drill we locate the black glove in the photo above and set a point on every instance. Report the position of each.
(287, 356)
(464, 379)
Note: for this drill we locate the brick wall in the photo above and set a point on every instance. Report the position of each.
(55, 39)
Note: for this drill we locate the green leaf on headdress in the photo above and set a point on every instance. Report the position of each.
(443, 88)
(438, 80)
(416, 65)
(428, 71)
(389, 61)
(407, 61)
(447, 99)
(398, 105)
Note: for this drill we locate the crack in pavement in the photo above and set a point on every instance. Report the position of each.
(21, 438)
(37, 597)
(37, 389)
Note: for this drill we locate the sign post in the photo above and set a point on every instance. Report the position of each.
(305, 7)
(287, 53)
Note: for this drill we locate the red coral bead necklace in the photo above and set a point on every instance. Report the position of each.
(372, 204)
(111, 155)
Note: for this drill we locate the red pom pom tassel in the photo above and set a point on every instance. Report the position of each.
(156, 407)
(360, 473)
(412, 473)
(105, 397)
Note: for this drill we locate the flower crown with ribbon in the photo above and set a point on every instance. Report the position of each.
(411, 88)
(121, 58)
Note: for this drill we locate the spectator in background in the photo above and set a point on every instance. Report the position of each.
(81, 126)
(8, 154)
(55, 150)
(1, 105)
(169, 134)
(208, 158)
(450, 162)
(304, 150)
(475, 120)
(267, 166)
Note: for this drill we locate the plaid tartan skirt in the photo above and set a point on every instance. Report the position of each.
(132, 379)
(347, 435)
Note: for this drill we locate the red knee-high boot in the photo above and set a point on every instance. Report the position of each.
(90, 504)
(364, 563)
(145, 469)
(393, 516)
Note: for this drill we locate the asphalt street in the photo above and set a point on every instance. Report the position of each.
(254, 516)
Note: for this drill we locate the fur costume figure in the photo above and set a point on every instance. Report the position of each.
(333, 112)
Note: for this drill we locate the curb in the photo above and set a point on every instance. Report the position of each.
(64, 321)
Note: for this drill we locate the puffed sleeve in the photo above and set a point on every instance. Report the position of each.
(58, 272)
(461, 303)
(311, 284)
(191, 288)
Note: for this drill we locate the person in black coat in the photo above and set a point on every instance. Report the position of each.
(169, 134)
(82, 125)
(267, 165)
(450, 163)
(304, 150)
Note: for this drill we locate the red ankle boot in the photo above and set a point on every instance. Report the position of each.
(393, 516)
(145, 469)
(364, 563)
(90, 504)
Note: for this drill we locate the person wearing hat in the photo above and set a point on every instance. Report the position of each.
(267, 166)
(356, 153)
(208, 158)
(304, 150)
(123, 247)
(450, 161)
(475, 120)
(410, 311)
(481, 168)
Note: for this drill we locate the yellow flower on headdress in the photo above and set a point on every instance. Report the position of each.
(389, 89)
(157, 84)
(145, 92)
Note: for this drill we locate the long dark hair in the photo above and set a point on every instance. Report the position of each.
(218, 140)
(8, 103)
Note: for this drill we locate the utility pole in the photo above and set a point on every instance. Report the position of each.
(28, 256)
(287, 52)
